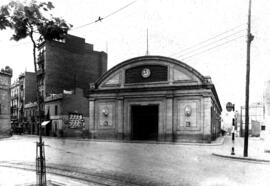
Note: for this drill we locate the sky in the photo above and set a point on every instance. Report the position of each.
(208, 35)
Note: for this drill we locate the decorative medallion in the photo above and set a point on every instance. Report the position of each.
(188, 110)
(105, 112)
(146, 72)
(106, 123)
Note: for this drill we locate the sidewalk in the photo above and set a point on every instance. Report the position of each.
(256, 150)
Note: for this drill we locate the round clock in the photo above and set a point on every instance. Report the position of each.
(146, 73)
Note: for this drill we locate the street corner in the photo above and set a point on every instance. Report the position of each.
(219, 141)
(220, 180)
(254, 159)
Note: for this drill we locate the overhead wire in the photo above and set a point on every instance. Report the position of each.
(196, 48)
(205, 41)
(87, 24)
(99, 19)
(212, 48)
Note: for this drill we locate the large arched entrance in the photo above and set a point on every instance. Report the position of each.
(144, 122)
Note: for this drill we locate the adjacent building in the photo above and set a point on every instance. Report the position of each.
(23, 91)
(66, 66)
(5, 83)
(31, 116)
(154, 98)
(15, 102)
(68, 114)
(266, 103)
(256, 119)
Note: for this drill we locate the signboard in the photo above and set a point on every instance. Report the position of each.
(75, 121)
(229, 107)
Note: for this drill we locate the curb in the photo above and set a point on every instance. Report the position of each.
(245, 159)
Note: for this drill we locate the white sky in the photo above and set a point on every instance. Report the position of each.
(173, 25)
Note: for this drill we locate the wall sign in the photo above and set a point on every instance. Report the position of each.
(75, 121)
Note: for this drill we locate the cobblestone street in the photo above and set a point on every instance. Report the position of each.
(112, 163)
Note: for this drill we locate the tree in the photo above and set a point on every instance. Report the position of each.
(32, 19)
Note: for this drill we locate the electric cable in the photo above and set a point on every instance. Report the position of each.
(194, 49)
(87, 24)
(204, 41)
(102, 18)
(212, 48)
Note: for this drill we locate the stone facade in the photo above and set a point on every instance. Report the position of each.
(5, 83)
(154, 98)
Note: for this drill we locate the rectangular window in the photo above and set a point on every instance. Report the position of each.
(188, 123)
(56, 110)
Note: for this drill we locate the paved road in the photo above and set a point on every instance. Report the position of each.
(21, 177)
(138, 163)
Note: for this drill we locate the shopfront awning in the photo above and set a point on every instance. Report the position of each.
(44, 123)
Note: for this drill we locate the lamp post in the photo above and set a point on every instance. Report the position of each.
(40, 150)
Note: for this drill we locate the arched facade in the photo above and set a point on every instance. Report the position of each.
(154, 98)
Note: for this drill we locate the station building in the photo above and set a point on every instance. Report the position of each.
(154, 98)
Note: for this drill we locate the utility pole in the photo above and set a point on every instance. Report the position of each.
(249, 40)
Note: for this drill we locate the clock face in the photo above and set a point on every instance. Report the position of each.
(146, 73)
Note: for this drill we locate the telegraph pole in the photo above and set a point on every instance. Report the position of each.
(249, 40)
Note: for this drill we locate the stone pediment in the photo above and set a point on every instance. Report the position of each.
(114, 80)
(161, 71)
(182, 75)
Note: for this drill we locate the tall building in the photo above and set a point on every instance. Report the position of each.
(14, 103)
(5, 82)
(67, 64)
(23, 91)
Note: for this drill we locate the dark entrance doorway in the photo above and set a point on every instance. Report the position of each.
(144, 121)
